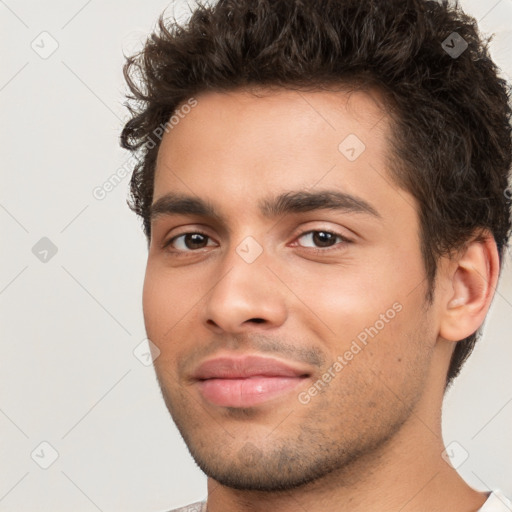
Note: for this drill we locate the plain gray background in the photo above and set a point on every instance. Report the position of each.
(72, 319)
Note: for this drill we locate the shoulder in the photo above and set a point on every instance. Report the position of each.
(200, 506)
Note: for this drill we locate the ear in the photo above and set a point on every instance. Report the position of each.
(472, 279)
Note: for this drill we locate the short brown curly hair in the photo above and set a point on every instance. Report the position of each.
(451, 112)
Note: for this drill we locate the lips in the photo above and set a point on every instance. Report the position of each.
(246, 381)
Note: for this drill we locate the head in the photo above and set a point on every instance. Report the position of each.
(249, 122)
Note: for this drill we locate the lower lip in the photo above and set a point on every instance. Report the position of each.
(246, 392)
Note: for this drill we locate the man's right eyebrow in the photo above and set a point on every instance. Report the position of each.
(179, 204)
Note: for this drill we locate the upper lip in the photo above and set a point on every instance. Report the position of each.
(230, 367)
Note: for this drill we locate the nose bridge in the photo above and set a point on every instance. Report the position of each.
(244, 290)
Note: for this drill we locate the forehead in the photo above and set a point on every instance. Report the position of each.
(246, 144)
(280, 119)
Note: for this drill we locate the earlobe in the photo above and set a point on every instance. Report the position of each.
(472, 282)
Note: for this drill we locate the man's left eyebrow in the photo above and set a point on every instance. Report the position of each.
(302, 201)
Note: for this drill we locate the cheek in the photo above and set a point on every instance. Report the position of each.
(373, 307)
(348, 299)
(163, 304)
(161, 319)
(153, 303)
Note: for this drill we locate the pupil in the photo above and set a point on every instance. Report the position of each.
(322, 238)
(194, 239)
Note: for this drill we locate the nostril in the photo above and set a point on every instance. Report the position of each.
(257, 320)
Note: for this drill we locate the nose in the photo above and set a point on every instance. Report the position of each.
(247, 296)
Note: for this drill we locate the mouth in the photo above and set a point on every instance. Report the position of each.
(246, 381)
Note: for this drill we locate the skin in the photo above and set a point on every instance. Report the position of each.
(371, 439)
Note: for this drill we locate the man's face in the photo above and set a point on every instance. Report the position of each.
(331, 296)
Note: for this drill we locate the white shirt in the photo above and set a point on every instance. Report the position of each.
(496, 502)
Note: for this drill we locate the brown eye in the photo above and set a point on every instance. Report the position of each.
(189, 241)
(320, 239)
(323, 238)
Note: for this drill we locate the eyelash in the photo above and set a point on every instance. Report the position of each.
(317, 250)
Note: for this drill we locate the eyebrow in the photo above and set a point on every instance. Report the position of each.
(271, 207)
